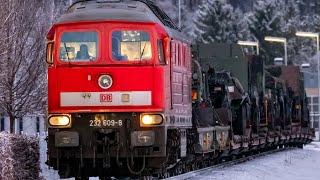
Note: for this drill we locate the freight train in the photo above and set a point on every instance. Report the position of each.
(128, 95)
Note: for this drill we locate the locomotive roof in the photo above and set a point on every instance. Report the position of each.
(128, 10)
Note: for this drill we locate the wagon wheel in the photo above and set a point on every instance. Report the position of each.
(193, 167)
(146, 178)
(104, 178)
(164, 175)
(180, 169)
(176, 171)
(202, 164)
(81, 178)
(80, 175)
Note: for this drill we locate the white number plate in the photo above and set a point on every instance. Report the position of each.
(106, 123)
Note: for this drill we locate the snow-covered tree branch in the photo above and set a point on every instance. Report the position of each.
(22, 67)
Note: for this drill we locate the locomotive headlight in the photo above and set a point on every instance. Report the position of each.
(59, 121)
(150, 119)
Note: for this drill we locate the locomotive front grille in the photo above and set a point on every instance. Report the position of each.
(115, 134)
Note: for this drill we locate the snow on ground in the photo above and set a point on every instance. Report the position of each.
(299, 164)
(289, 165)
(317, 136)
(46, 173)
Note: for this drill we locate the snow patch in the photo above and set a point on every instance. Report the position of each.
(299, 164)
(46, 172)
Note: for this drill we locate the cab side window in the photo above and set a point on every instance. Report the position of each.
(161, 52)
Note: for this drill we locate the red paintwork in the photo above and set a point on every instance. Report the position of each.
(151, 76)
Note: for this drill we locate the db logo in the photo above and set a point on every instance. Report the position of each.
(105, 97)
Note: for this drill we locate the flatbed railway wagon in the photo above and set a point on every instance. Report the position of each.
(126, 98)
(271, 109)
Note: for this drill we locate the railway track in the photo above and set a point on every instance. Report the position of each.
(195, 173)
(227, 163)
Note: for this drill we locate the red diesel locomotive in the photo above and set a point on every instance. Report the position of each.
(125, 98)
(114, 92)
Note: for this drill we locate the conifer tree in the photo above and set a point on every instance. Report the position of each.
(268, 20)
(188, 9)
(215, 22)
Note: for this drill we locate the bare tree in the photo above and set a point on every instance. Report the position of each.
(22, 69)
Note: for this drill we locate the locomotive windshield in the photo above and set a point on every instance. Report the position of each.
(78, 46)
(131, 46)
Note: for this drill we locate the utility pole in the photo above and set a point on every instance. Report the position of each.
(179, 13)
